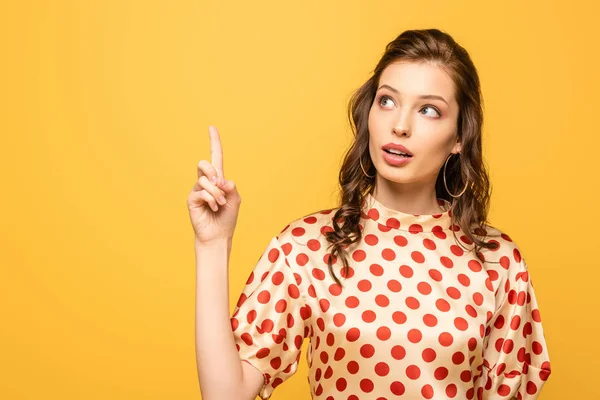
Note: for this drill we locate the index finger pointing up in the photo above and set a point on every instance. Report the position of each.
(216, 150)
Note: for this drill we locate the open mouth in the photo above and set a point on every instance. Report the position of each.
(397, 155)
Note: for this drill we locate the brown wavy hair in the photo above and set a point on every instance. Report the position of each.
(469, 211)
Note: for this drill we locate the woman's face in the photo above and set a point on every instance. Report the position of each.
(427, 127)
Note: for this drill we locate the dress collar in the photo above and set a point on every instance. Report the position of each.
(414, 223)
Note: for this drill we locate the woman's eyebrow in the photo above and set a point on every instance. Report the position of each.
(423, 96)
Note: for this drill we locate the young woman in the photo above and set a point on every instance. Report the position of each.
(404, 290)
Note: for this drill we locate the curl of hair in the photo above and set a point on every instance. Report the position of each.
(469, 211)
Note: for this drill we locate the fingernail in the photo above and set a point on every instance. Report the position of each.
(222, 200)
(213, 179)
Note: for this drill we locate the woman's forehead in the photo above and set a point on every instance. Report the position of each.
(413, 79)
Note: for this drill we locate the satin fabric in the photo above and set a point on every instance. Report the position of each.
(419, 316)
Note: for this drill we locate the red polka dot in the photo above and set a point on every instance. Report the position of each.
(384, 333)
(461, 324)
(445, 339)
(313, 244)
(324, 357)
(446, 262)
(406, 271)
(456, 250)
(451, 390)
(382, 369)
(471, 311)
(364, 285)
(429, 244)
(399, 317)
(442, 305)
(438, 231)
(415, 228)
(412, 302)
(474, 265)
(352, 302)
(453, 292)
(429, 355)
(318, 274)
(367, 351)
(339, 319)
(388, 254)
(371, 239)
(339, 354)
(400, 240)
(293, 291)
(373, 214)
(435, 275)
(417, 256)
(359, 255)
(430, 320)
(508, 346)
(398, 352)
(394, 286)
(368, 316)
(366, 385)
(281, 306)
(397, 388)
(415, 335)
(392, 223)
(531, 388)
(517, 255)
(413, 372)
(503, 390)
(302, 259)
(299, 231)
(264, 297)
(376, 269)
(427, 391)
(440, 373)
(353, 367)
(458, 358)
(348, 274)
(382, 300)
(424, 288)
(335, 289)
(353, 334)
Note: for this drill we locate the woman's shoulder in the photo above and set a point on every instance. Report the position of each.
(504, 245)
(308, 227)
(506, 262)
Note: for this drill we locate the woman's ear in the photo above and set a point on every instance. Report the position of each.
(457, 148)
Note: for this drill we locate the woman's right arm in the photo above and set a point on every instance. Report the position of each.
(221, 373)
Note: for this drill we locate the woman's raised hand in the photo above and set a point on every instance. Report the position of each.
(211, 217)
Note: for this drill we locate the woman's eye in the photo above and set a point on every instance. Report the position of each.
(382, 99)
(434, 109)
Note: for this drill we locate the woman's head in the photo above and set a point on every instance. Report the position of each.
(388, 108)
(426, 126)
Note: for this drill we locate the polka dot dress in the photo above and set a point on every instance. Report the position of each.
(419, 317)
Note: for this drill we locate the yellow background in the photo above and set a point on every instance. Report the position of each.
(104, 116)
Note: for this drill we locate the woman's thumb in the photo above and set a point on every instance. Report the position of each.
(228, 186)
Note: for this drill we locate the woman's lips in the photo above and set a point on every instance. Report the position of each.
(395, 160)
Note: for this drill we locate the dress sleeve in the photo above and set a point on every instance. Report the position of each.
(268, 322)
(516, 363)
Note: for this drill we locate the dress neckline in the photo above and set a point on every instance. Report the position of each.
(414, 223)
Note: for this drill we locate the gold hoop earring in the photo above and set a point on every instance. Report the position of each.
(458, 195)
(363, 168)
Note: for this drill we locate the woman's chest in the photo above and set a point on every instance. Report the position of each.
(410, 301)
